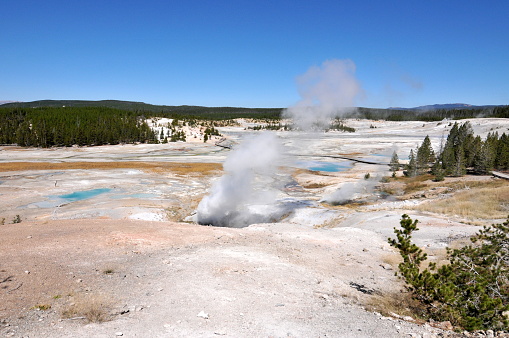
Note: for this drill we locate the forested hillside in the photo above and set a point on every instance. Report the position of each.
(47, 127)
(226, 113)
(179, 112)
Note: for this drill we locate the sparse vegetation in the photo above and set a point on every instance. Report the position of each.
(16, 219)
(177, 168)
(42, 307)
(472, 291)
(92, 307)
(400, 303)
(488, 201)
(314, 185)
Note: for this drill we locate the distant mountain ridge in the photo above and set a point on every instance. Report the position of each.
(4, 102)
(118, 104)
(443, 106)
(133, 105)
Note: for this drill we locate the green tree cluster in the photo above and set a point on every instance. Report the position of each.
(462, 152)
(472, 290)
(420, 159)
(177, 135)
(429, 115)
(61, 126)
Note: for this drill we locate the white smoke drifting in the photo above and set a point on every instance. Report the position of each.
(326, 92)
(243, 196)
(350, 191)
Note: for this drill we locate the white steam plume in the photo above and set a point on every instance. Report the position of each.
(249, 170)
(326, 92)
(350, 191)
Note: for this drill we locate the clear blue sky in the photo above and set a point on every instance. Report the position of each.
(248, 53)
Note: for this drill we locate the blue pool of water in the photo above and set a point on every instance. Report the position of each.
(59, 200)
(83, 195)
(325, 166)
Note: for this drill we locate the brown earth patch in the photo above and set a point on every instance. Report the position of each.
(175, 167)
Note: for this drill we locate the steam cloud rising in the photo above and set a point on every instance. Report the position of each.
(326, 92)
(243, 194)
(349, 191)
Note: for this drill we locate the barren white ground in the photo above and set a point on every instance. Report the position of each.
(311, 274)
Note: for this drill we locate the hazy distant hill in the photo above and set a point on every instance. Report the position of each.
(444, 106)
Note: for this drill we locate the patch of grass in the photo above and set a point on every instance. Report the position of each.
(391, 188)
(94, 308)
(57, 296)
(419, 178)
(330, 223)
(392, 259)
(414, 186)
(469, 184)
(314, 185)
(42, 307)
(483, 202)
(173, 167)
(400, 303)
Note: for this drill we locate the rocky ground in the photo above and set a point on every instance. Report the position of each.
(162, 279)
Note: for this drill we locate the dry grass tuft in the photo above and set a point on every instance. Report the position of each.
(42, 307)
(414, 186)
(393, 259)
(185, 207)
(484, 201)
(94, 308)
(402, 304)
(314, 185)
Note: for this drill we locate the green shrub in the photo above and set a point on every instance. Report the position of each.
(472, 290)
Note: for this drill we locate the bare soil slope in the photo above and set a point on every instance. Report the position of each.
(163, 279)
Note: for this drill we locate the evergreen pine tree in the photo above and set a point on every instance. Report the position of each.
(411, 167)
(425, 156)
(394, 164)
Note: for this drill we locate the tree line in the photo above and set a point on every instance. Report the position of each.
(67, 126)
(462, 152)
(429, 115)
(226, 113)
